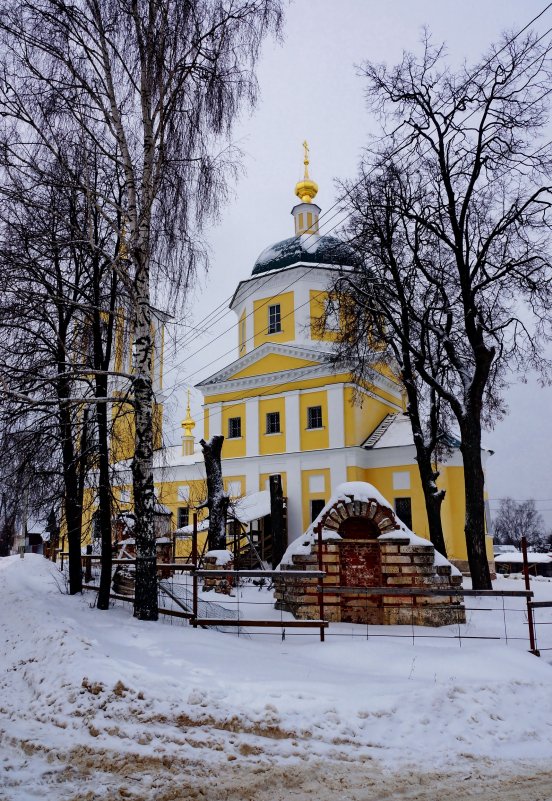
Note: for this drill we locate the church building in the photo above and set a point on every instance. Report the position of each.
(285, 410)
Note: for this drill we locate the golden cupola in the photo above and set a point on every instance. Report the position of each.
(306, 212)
(188, 425)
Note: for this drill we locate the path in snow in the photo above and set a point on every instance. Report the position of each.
(98, 706)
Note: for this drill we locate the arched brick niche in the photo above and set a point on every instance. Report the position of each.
(376, 517)
(356, 559)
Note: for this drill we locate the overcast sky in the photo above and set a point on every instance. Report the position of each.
(310, 89)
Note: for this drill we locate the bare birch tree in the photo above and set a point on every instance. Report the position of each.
(156, 84)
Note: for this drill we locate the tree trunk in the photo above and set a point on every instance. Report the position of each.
(104, 495)
(279, 543)
(145, 598)
(433, 497)
(433, 500)
(217, 501)
(474, 482)
(73, 514)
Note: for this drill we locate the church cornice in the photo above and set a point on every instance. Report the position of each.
(308, 267)
(267, 348)
(221, 382)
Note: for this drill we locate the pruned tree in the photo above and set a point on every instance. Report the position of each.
(217, 499)
(517, 519)
(472, 190)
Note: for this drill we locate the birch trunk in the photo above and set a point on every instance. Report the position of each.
(145, 601)
(104, 495)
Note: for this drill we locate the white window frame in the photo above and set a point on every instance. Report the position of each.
(274, 318)
(272, 415)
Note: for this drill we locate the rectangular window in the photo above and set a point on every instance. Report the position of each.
(316, 507)
(234, 427)
(183, 518)
(403, 509)
(274, 319)
(273, 423)
(314, 417)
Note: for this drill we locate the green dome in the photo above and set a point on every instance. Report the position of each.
(305, 248)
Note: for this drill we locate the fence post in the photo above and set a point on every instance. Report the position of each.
(194, 574)
(318, 530)
(530, 621)
(88, 564)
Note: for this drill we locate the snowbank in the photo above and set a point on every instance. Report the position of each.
(99, 705)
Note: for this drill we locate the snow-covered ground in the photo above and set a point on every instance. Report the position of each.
(98, 705)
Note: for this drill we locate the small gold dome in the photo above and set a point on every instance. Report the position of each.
(306, 190)
(188, 424)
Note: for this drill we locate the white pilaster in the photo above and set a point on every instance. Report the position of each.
(292, 424)
(252, 427)
(294, 499)
(215, 419)
(336, 416)
(302, 312)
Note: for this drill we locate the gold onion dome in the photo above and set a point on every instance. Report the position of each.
(306, 190)
(188, 424)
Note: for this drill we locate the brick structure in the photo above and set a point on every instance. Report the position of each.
(217, 561)
(371, 549)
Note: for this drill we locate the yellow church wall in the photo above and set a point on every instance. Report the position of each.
(355, 473)
(309, 495)
(313, 438)
(234, 486)
(452, 510)
(234, 447)
(123, 430)
(260, 319)
(272, 363)
(272, 443)
(242, 336)
(360, 421)
(264, 485)
(317, 307)
(206, 423)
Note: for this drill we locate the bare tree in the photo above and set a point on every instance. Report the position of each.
(517, 519)
(378, 326)
(472, 189)
(156, 84)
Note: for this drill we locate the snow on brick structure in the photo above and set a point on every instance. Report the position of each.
(364, 544)
(218, 560)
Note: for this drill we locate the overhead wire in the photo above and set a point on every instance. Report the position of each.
(398, 148)
(306, 269)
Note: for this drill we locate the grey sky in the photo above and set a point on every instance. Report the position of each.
(310, 89)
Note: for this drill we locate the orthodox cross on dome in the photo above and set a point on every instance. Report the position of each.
(306, 159)
(306, 189)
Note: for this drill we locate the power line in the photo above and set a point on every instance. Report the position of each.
(306, 270)
(398, 148)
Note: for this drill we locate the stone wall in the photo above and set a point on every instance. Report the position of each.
(402, 565)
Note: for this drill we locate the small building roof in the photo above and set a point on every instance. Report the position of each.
(517, 558)
(252, 507)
